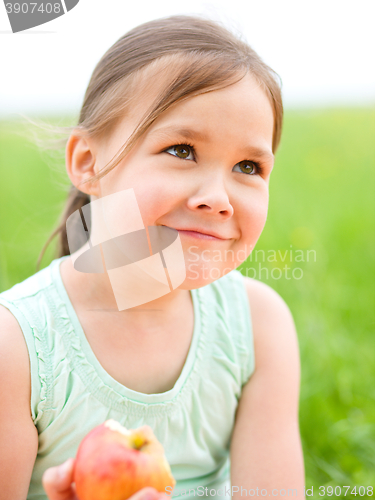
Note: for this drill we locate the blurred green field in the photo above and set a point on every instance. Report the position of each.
(321, 199)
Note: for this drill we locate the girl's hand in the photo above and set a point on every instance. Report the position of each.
(57, 482)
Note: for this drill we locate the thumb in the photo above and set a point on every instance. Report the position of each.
(146, 493)
(57, 481)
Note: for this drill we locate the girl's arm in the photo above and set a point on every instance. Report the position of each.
(18, 434)
(266, 451)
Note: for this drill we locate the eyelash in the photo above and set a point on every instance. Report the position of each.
(258, 167)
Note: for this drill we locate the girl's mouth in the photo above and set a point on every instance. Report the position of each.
(192, 233)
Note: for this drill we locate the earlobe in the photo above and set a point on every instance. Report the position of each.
(80, 163)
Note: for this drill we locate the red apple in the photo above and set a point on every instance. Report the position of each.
(113, 463)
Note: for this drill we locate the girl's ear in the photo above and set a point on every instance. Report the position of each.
(80, 163)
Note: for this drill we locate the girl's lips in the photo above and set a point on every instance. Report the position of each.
(199, 236)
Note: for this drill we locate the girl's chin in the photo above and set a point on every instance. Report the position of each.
(199, 277)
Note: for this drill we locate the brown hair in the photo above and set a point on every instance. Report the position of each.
(194, 55)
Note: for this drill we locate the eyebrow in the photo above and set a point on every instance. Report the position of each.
(190, 134)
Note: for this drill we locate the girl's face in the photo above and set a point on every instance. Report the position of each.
(204, 164)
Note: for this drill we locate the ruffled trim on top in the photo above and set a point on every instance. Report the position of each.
(44, 365)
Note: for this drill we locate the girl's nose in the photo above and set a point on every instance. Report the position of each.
(211, 197)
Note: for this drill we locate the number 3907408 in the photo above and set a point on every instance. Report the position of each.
(33, 7)
(362, 491)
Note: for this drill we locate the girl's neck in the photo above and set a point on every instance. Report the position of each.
(93, 293)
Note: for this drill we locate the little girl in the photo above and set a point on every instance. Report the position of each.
(188, 118)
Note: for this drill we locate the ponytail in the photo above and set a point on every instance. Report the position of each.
(76, 200)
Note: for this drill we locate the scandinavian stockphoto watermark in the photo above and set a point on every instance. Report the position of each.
(260, 264)
(26, 14)
(227, 492)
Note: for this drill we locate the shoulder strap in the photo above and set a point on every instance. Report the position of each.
(233, 286)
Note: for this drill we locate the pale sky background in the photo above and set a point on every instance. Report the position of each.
(324, 50)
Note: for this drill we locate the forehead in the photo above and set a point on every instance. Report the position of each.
(235, 113)
(238, 114)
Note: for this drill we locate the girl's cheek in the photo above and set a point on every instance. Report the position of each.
(254, 218)
(154, 204)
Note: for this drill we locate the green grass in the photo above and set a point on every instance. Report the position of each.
(322, 200)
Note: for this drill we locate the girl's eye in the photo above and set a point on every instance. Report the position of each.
(247, 167)
(181, 151)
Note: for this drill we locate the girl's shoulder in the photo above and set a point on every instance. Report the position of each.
(14, 306)
(274, 332)
(27, 310)
(13, 349)
(32, 299)
(31, 285)
(268, 314)
(265, 302)
(265, 305)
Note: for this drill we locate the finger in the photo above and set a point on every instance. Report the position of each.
(57, 481)
(164, 496)
(147, 493)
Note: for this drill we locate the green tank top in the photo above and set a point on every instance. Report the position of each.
(71, 393)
